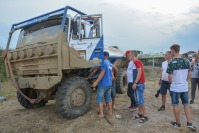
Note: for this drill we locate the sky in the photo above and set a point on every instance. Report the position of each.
(151, 26)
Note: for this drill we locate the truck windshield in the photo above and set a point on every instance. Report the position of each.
(44, 32)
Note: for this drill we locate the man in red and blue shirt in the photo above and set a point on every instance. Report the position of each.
(139, 86)
(130, 92)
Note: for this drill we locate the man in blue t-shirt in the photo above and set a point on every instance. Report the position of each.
(104, 82)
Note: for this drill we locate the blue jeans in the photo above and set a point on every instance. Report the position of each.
(103, 92)
(182, 95)
(139, 94)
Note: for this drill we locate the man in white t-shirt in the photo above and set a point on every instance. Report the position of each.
(178, 73)
(164, 81)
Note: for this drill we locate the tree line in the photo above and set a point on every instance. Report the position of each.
(2, 67)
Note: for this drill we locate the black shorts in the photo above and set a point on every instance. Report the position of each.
(165, 85)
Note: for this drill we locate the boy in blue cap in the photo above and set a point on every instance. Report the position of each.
(104, 82)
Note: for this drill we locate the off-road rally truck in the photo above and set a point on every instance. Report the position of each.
(53, 54)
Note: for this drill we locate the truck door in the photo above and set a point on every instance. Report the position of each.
(87, 38)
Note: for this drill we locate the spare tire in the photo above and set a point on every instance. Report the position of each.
(121, 82)
(73, 97)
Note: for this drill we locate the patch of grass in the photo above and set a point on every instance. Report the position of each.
(8, 90)
(2, 67)
(152, 73)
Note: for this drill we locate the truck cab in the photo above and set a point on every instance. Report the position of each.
(51, 52)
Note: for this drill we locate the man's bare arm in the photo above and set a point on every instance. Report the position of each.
(139, 69)
(99, 78)
(160, 78)
(137, 77)
(115, 71)
(170, 77)
(189, 75)
(93, 72)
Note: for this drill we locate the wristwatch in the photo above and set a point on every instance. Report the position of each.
(135, 83)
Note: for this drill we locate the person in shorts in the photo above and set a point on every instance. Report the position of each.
(139, 87)
(164, 81)
(178, 73)
(104, 82)
(114, 77)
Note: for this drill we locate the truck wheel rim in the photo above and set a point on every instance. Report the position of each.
(77, 97)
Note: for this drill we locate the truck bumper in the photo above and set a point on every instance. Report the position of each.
(44, 83)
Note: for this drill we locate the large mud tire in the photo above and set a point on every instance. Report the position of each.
(121, 82)
(73, 97)
(31, 94)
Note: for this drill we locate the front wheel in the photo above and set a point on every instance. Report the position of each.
(73, 97)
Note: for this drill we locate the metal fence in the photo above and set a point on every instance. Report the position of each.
(152, 63)
(153, 69)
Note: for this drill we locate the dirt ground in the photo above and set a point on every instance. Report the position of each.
(15, 119)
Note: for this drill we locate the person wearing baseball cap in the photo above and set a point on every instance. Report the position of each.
(104, 82)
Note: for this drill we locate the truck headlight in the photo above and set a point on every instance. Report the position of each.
(29, 53)
(49, 50)
(21, 54)
(39, 51)
(15, 55)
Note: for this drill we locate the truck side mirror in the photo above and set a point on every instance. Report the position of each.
(75, 28)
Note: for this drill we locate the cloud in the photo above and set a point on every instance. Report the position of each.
(187, 36)
(150, 26)
(4, 31)
(163, 7)
(147, 31)
(195, 10)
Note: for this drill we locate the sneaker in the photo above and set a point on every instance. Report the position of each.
(175, 124)
(192, 101)
(191, 126)
(162, 108)
(129, 107)
(133, 108)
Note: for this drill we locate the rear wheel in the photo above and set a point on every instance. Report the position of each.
(121, 82)
(31, 94)
(73, 97)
